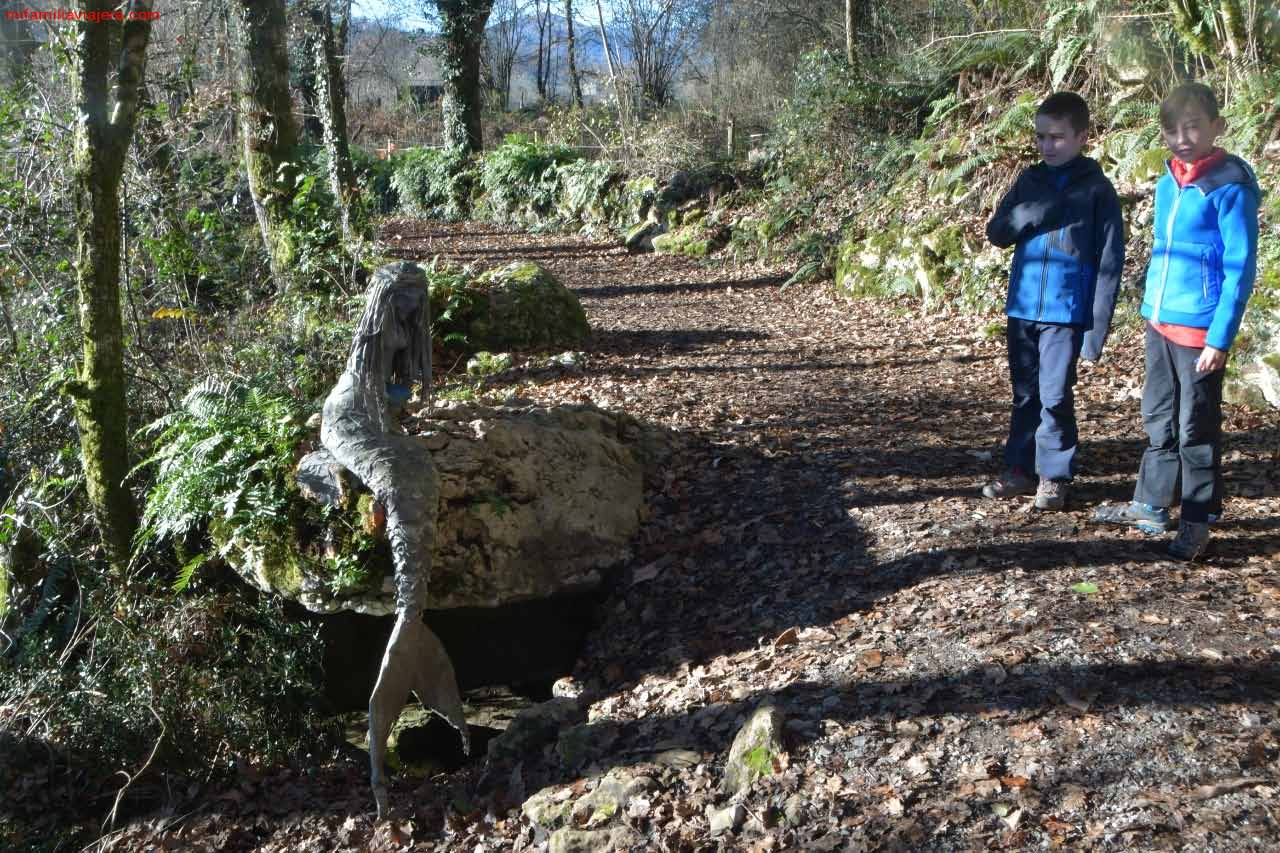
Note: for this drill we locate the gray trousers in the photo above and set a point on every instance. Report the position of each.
(1042, 370)
(1182, 413)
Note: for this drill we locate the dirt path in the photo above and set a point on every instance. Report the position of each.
(944, 685)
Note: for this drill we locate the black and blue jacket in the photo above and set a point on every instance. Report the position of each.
(1069, 235)
(1205, 253)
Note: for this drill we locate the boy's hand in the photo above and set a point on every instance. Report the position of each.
(1210, 360)
(1030, 214)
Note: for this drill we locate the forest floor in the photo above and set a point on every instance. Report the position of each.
(954, 672)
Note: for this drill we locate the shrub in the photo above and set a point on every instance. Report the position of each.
(520, 179)
(435, 183)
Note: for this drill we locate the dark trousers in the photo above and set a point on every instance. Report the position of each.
(1182, 413)
(1042, 369)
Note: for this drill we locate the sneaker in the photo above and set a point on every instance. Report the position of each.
(1145, 517)
(1052, 494)
(1010, 484)
(1192, 539)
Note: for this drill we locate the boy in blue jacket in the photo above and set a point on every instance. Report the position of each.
(1063, 217)
(1203, 263)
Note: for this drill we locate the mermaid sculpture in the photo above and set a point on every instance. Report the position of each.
(392, 344)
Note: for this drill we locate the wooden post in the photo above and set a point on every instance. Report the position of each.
(729, 138)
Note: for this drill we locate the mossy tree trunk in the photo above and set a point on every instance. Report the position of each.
(103, 132)
(331, 103)
(575, 82)
(462, 35)
(267, 125)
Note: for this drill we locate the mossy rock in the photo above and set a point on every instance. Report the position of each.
(879, 264)
(690, 241)
(520, 306)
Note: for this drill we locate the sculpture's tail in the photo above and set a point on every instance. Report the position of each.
(415, 660)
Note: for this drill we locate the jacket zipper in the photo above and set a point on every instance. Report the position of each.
(1168, 249)
(1044, 274)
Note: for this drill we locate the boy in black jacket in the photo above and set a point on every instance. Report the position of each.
(1063, 216)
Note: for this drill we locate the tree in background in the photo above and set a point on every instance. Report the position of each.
(267, 125)
(462, 26)
(544, 77)
(502, 44)
(331, 105)
(104, 131)
(659, 35)
(575, 81)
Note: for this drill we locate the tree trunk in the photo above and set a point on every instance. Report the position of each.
(608, 55)
(267, 126)
(103, 132)
(309, 85)
(850, 44)
(333, 111)
(540, 77)
(575, 82)
(462, 34)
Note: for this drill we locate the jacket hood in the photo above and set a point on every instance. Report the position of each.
(1232, 170)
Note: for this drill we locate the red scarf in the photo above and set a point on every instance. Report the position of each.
(1186, 173)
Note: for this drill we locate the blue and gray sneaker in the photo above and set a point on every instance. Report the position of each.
(1145, 517)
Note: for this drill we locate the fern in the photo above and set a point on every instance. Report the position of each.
(1017, 119)
(434, 183)
(1063, 61)
(1135, 113)
(520, 175)
(954, 176)
(223, 455)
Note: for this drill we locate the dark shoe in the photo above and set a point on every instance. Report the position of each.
(1145, 517)
(1052, 494)
(1010, 484)
(1192, 539)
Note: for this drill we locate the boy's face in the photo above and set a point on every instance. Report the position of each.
(1057, 140)
(1193, 135)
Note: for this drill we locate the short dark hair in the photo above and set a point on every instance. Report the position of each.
(1187, 95)
(1066, 105)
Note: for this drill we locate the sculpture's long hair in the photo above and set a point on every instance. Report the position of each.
(367, 362)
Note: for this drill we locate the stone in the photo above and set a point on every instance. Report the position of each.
(582, 744)
(534, 728)
(728, 819)
(755, 747)
(534, 503)
(1259, 383)
(616, 838)
(610, 797)
(519, 306)
(549, 808)
(688, 240)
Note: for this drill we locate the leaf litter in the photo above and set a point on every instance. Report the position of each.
(819, 543)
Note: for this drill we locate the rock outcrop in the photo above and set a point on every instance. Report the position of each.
(534, 503)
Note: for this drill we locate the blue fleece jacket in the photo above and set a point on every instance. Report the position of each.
(1205, 253)
(1069, 236)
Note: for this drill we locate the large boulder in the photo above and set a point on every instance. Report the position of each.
(534, 503)
(515, 307)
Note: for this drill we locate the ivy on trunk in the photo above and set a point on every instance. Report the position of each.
(462, 25)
